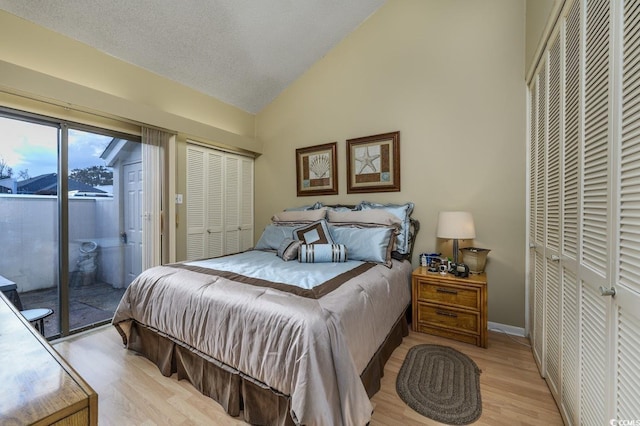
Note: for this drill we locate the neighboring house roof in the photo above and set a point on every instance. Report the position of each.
(7, 186)
(48, 185)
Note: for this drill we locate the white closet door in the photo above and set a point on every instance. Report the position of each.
(627, 318)
(232, 204)
(238, 203)
(540, 262)
(214, 178)
(531, 216)
(592, 365)
(219, 203)
(570, 365)
(196, 209)
(596, 251)
(246, 204)
(552, 219)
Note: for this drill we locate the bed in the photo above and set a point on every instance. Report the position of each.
(296, 330)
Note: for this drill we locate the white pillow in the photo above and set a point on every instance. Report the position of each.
(373, 216)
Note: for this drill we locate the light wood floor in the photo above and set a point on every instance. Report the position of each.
(131, 390)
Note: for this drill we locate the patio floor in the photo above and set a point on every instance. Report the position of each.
(88, 304)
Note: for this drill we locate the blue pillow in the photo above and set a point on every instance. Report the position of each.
(272, 237)
(321, 253)
(403, 212)
(368, 244)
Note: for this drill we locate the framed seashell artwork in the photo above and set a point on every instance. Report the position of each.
(317, 170)
(373, 163)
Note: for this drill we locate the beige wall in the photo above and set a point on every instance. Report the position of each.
(538, 13)
(45, 65)
(449, 75)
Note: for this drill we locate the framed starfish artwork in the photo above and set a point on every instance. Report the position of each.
(317, 170)
(373, 163)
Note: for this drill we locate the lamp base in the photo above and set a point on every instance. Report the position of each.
(455, 251)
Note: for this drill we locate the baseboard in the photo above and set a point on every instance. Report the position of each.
(509, 329)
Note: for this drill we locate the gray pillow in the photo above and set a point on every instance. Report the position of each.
(288, 249)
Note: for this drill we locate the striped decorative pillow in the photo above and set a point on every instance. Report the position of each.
(318, 253)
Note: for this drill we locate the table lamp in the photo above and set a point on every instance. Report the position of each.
(455, 226)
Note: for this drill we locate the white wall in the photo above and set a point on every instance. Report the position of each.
(449, 75)
(29, 236)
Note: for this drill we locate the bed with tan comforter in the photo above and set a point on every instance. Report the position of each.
(280, 339)
(307, 346)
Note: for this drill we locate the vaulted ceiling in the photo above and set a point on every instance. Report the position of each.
(242, 52)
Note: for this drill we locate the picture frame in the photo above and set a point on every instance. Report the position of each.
(373, 163)
(317, 170)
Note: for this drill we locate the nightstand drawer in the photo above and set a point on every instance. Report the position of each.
(450, 294)
(439, 316)
(474, 339)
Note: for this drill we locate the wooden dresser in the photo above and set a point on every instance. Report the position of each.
(448, 306)
(38, 386)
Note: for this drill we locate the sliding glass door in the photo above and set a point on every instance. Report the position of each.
(70, 218)
(29, 232)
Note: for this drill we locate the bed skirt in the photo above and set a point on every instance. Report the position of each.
(237, 393)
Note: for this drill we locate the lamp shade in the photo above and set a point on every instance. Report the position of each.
(456, 225)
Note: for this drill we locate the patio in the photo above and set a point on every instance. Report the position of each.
(88, 304)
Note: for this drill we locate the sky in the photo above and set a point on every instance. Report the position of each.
(33, 147)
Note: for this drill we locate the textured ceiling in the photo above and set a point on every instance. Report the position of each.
(242, 52)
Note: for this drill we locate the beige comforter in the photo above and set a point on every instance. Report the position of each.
(310, 349)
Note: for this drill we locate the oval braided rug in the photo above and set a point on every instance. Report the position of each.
(441, 383)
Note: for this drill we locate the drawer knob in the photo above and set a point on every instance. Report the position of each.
(446, 290)
(447, 314)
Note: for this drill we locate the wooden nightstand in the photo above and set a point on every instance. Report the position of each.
(448, 306)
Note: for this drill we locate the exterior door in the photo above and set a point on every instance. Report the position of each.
(132, 221)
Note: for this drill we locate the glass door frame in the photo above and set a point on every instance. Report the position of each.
(62, 197)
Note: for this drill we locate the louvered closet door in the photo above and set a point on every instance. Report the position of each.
(570, 365)
(196, 209)
(552, 219)
(596, 251)
(232, 205)
(214, 177)
(204, 203)
(539, 220)
(238, 203)
(246, 203)
(627, 300)
(595, 375)
(533, 192)
(219, 202)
